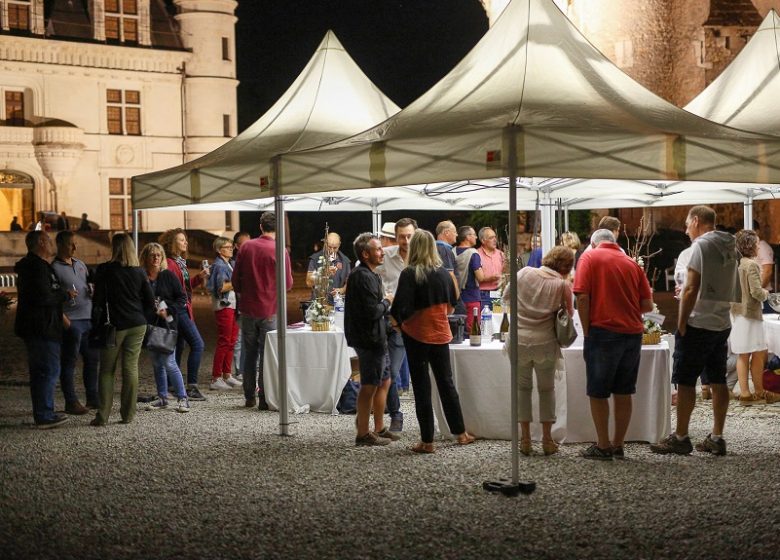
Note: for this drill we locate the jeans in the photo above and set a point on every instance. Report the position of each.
(43, 358)
(403, 374)
(237, 348)
(545, 385)
(128, 346)
(75, 342)
(188, 332)
(437, 356)
(395, 348)
(165, 368)
(253, 333)
(227, 332)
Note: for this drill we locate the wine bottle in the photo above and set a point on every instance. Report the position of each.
(475, 335)
(504, 330)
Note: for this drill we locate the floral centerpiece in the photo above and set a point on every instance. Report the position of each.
(319, 311)
(652, 326)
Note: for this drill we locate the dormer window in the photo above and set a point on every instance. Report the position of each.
(122, 20)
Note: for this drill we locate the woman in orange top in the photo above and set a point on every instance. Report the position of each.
(425, 296)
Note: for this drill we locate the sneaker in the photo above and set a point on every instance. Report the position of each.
(183, 405)
(397, 424)
(387, 434)
(618, 453)
(238, 377)
(671, 444)
(157, 404)
(711, 446)
(262, 404)
(76, 408)
(58, 420)
(595, 452)
(194, 394)
(771, 397)
(233, 382)
(250, 403)
(750, 399)
(219, 385)
(370, 439)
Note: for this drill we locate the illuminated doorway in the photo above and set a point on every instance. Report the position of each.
(16, 199)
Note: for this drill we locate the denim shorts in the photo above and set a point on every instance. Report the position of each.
(700, 353)
(611, 362)
(374, 366)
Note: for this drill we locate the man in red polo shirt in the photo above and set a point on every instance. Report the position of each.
(612, 293)
(254, 279)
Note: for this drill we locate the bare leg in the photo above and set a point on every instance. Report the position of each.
(365, 397)
(720, 405)
(623, 407)
(686, 400)
(599, 411)
(380, 398)
(547, 431)
(757, 362)
(525, 431)
(743, 361)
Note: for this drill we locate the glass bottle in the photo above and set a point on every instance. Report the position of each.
(475, 335)
(504, 330)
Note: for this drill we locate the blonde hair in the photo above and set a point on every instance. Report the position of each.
(147, 250)
(123, 250)
(423, 256)
(571, 240)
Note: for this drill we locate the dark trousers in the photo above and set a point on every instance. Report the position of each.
(395, 349)
(437, 356)
(75, 343)
(43, 358)
(188, 332)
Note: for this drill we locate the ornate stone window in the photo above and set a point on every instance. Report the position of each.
(18, 15)
(120, 206)
(122, 20)
(123, 111)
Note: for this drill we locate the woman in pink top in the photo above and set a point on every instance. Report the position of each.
(425, 295)
(540, 293)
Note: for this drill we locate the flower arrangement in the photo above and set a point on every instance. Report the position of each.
(319, 311)
(652, 326)
(6, 301)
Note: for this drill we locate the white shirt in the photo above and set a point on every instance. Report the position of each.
(391, 269)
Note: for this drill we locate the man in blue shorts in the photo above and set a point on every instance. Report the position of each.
(703, 328)
(365, 327)
(612, 293)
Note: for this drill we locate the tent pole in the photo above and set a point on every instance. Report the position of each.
(566, 218)
(376, 216)
(747, 208)
(136, 228)
(548, 222)
(281, 297)
(515, 487)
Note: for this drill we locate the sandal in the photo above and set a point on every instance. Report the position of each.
(549, 446)
(422, 447)
(466, 438)
(525, 447)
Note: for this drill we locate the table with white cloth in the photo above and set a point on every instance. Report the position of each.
(317, 369)
(481, 375)
(772, 332)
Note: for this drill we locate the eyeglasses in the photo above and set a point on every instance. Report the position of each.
(230, 247)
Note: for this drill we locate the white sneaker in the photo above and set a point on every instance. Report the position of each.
(183, 405)
(233, 382)
(220, 385)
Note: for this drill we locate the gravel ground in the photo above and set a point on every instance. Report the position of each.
(220, 483)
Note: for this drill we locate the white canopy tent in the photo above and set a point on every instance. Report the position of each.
(330, 100)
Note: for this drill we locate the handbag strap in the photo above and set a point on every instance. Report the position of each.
(108, 314)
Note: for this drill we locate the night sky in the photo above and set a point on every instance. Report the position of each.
(403, 46)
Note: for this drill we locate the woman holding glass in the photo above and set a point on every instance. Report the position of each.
(126, 305)
(167, 291)
(540, 293)
(426, 294)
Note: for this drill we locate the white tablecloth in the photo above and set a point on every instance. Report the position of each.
(483, 381)
(772, 332)
(317, 370)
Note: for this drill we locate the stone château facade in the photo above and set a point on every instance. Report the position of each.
(93, 92)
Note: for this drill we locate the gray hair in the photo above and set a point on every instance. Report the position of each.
(600, 236)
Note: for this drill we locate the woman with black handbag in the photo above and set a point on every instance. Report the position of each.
(171, 301)
(122, 293)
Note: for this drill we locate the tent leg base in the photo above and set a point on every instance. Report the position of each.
(508, 488)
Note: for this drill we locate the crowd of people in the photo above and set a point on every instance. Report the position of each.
(400, 290)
